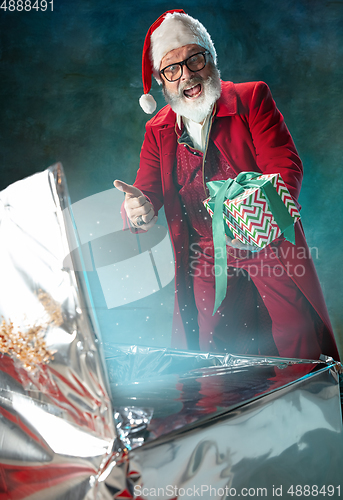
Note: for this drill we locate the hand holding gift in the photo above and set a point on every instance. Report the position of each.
(139, 210)
(235, 243)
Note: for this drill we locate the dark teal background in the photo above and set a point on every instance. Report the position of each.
(71, 79)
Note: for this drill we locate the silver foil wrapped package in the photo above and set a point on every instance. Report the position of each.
(85, 420)
(57, 426)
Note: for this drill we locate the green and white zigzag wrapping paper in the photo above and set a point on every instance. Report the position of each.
(248, 216)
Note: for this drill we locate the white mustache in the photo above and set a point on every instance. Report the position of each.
(192, 82)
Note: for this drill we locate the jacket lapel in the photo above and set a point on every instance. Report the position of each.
(227, 103)
(168, 144)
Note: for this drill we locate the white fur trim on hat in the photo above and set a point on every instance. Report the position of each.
(147, 103)
(178, 30)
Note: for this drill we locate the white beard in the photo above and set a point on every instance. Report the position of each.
(199, 109)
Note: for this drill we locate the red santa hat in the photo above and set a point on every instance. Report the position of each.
(172, 30)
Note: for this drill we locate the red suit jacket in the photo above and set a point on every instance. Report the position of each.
(251, 133)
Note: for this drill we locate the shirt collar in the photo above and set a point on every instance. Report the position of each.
(180, 122)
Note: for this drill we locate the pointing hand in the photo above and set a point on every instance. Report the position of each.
(138, 209)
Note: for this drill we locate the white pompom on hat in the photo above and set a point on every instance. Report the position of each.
(172, 30)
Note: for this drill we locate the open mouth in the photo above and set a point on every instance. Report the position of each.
(193, 92)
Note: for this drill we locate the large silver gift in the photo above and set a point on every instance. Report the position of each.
(83, 419)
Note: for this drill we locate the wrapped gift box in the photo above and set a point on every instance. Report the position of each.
(249, 216)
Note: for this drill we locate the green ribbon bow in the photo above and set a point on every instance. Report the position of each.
(230, 189)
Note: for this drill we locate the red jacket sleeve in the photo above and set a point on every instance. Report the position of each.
(275, 149)
(148, 178)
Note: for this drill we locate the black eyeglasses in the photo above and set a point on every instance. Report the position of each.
(195, 62)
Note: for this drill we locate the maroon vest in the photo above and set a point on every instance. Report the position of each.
(191, 175)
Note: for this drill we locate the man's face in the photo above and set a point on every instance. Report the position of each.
(195, 92)
(177, 55)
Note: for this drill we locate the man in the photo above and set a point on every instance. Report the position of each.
(213, 130)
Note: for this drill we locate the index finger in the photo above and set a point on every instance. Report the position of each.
(131, 191)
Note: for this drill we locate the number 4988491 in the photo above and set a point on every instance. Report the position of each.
(19, 5)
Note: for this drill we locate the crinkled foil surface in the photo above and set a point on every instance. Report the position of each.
(81, 421)
(56, 428)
